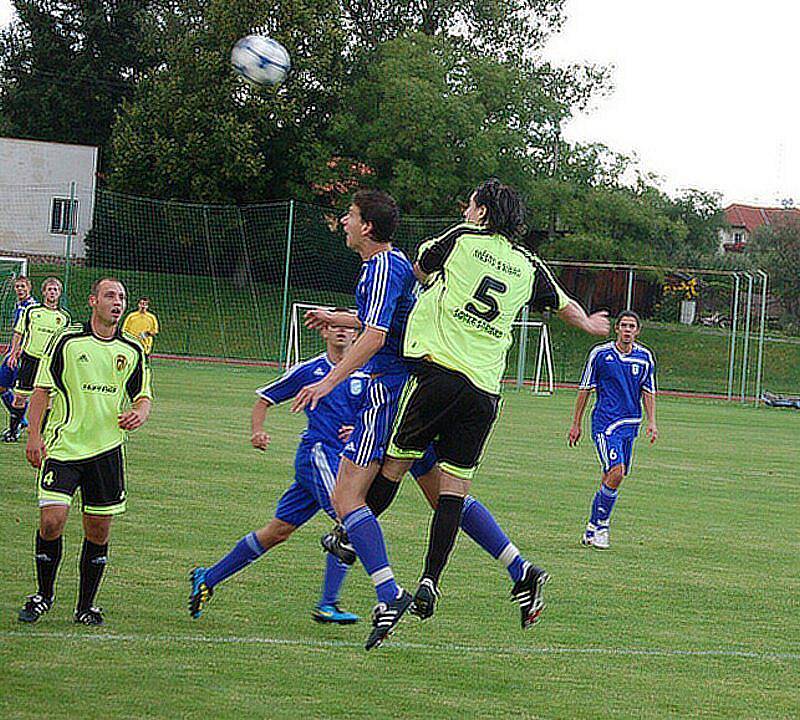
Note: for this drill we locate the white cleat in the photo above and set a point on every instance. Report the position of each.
(602, 539)
(587, 539)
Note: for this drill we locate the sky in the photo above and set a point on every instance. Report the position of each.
(705, 90)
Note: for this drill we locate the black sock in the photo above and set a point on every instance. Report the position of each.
(93, 562)
(48, 557)
(444, 529)
(6, 397)
(381, 493)
(16, 418)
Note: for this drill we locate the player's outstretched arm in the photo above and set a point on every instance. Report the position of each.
(318, 318)
(362, 350)
(35, 450)
(258, 438)
(649, 401)
(577, 420)
(594, 324)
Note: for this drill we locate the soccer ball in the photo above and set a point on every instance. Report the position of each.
(260, 60)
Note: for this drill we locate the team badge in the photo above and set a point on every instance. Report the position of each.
(635, 369)
(356, 386)
(58, 321)
(122, 361)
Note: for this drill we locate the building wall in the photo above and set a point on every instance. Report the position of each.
(32, 175)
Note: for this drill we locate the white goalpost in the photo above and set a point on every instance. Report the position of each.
(303, 344)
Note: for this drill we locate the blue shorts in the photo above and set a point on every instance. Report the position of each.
(315, 468)
(374, 420)
(8, 376)
(425, 464)
(614, 449)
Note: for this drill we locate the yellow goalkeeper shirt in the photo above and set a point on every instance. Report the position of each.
(137, 324)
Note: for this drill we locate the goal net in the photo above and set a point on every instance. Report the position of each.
(530, 360)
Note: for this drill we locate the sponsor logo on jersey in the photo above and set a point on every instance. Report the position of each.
(99, 388)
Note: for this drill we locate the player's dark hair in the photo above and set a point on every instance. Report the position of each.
(96, 284)
(25, 279)
(145, 299)
(505, 211)
(380, 209)
(630, 314)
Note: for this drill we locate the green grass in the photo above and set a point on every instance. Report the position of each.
(705, 559)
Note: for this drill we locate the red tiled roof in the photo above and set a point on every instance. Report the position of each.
(751, 217)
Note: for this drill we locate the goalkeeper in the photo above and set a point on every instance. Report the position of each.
(142, 325)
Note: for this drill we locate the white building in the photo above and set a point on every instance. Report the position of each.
(40, 213)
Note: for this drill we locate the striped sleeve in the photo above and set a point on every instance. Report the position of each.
(649, 380)
(589, 378)
(383, 290)
(139, 384)
(288, 385)
(547, 293)
(23, 320)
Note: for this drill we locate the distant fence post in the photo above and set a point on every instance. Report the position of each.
(289, 234)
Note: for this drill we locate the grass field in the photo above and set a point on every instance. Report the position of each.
(692, 613)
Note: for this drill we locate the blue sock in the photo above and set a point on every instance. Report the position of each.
(244, 552)
(603, 504)
(335, 572)
(367, 539)
(480, 525)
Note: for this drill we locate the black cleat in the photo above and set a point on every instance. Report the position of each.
(424, 601)
(35, 606)
(337, 543)
(90, 616)
(527, 592)
(385, 617)
(9, 437)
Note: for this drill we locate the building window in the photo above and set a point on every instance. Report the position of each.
(737, 237)
(63, 216)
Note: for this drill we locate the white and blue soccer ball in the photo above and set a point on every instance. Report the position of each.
(261, 60)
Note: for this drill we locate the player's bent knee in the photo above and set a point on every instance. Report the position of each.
(275, 533)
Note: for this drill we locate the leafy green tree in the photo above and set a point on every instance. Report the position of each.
(65, 67)
(776, 249)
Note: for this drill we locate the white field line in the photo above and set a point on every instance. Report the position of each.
(94, 636)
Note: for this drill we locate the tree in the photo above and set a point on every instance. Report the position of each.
(67, 65)
(776, 249)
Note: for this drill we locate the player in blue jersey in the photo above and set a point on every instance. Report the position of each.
(623, 373)
(8, 375)
(330, 423)
(384, 296)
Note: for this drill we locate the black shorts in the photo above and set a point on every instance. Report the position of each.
(442, 407)
(28, 367)
(101, 479)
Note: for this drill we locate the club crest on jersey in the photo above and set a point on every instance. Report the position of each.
(635, 369)
(122, 361)
(356, 386)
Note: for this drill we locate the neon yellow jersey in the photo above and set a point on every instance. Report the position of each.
(91, 381)
(138, 323)
(481, 280)
(37, 325)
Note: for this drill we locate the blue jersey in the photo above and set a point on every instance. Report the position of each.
(19, 308)
(337, 408)
(385, 295)
(619, 380)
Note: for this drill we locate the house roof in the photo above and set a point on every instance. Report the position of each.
(751, 217)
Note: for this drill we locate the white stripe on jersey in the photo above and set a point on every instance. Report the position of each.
(618, 423)
(587, 371)
(378, 293)
(292, 370)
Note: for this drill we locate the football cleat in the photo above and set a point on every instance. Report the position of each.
(527, 592)
(337, 543)
(333, 614)
(602, 538)
(9, 437)
(385, 617)
(35, 606)
(90, 616)
(200, 594)
(424, 601)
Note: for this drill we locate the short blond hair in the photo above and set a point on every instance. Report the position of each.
(52, 281)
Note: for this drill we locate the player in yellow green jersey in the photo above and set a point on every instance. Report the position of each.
(33, 330)
(142, 324)
(479, 278)
(99, 382)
